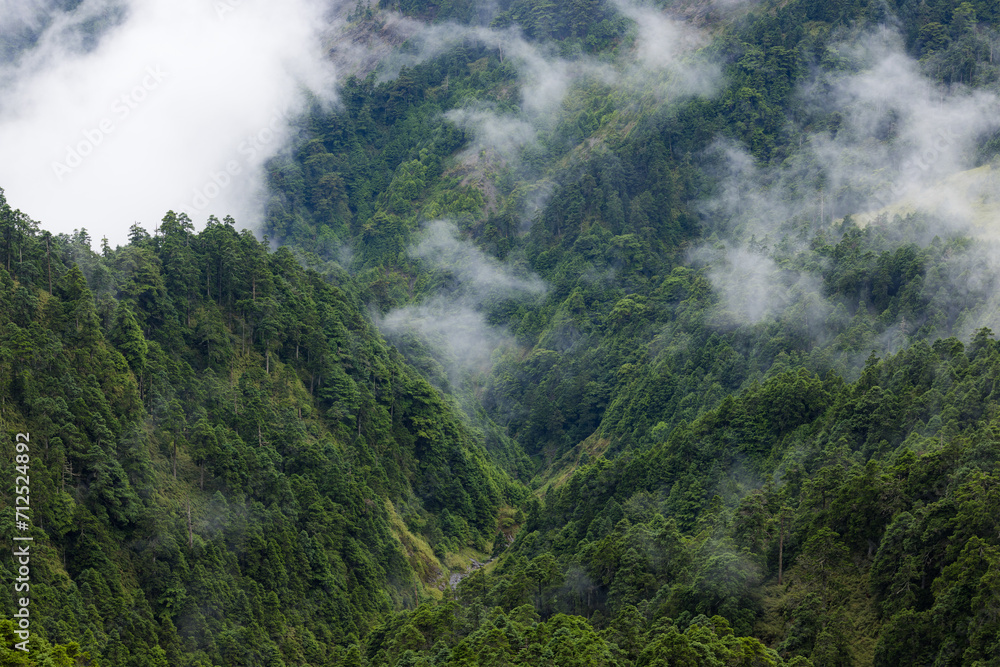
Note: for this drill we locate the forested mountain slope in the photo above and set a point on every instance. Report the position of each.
(215, 429)
(577, 285)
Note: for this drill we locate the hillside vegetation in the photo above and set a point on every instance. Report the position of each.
(654, 331)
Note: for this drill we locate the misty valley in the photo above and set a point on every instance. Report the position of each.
(432, 333)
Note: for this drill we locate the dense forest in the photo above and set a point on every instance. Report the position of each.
(578, 332)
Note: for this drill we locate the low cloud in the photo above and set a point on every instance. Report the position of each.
(665, 63)
(123, 110)
(477, 272)
(668, 45)
(21, 18)
(892, 135)
(503, 135)
(458, 335)
(453, 321)
(893, 142)
(753, 288)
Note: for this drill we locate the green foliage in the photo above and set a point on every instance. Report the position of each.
(231, 466)
(230, 439)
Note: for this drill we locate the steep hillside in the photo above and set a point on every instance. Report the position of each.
(214, 429)
(679, 315)
(700, 383)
